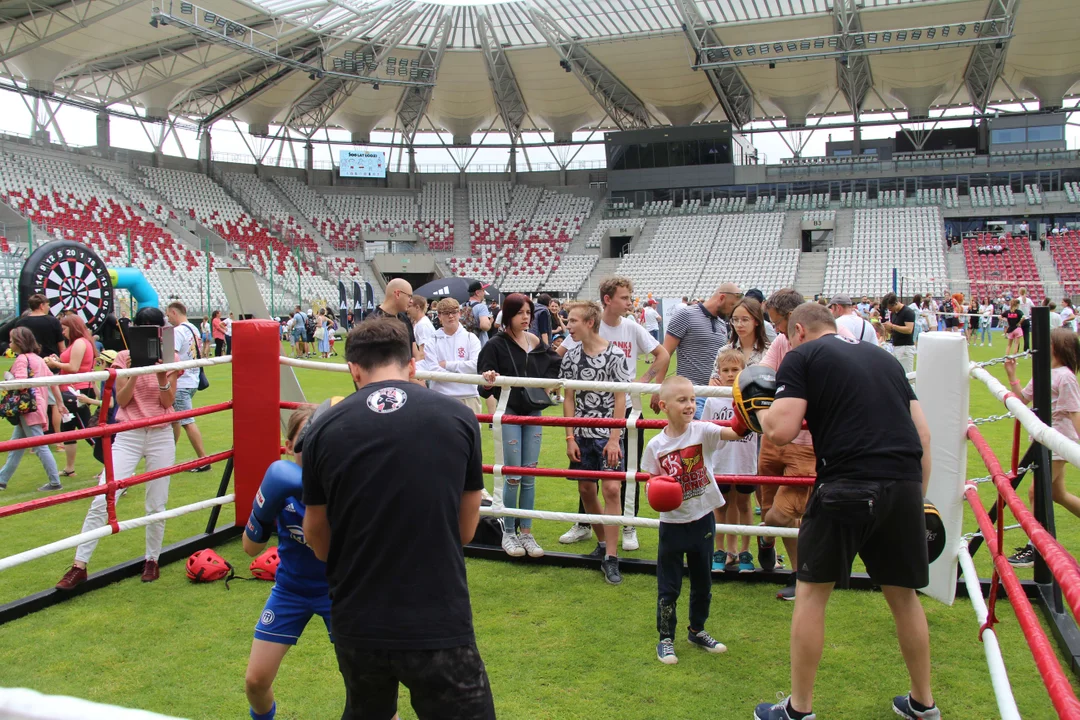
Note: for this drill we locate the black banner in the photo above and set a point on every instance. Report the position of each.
(370, 295)
(358, 303)
(343, 307)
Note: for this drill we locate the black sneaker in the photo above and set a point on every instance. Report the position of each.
(1024, 557)
(610, 568)
(902, 706)
(787, 593)
(598, 553)
(200, 469)
(766, 553)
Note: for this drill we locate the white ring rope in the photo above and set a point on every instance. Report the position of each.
(106, 530)
(510, 381)
(585, 519)
(999, 677)
(102, 375)
(1039, 431)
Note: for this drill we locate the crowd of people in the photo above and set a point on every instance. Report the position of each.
(821, 361)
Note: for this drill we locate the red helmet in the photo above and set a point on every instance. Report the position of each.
(207, 566)
(265, 566)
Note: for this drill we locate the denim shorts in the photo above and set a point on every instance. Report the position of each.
(592, 457)
(182, 402)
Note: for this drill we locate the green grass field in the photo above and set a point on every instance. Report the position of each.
(558, 643)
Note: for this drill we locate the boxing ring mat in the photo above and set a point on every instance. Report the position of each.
(942, 385)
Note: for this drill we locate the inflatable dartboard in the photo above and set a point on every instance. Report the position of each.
(72, 277)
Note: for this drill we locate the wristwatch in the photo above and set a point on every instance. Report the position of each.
(168, 386)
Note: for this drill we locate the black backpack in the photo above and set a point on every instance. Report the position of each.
(309, 327)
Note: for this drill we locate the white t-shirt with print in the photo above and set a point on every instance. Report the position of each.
(689, 458)
(735, 457)
(424, 332)
(634, 340)
(185, 340)
(652, 318)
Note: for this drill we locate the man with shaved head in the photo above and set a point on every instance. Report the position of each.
(697, 332)
(396, 304)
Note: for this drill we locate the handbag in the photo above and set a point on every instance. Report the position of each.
(320, 332)
(16, 403)
(204, 382)
(850, 502)
(536, 398)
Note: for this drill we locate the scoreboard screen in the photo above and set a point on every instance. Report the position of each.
(362, 164)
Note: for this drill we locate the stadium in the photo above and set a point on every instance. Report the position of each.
(263, 160)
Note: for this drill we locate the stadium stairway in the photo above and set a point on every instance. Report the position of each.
(462, 244)
(958, 280)
(303, 222)
(1044, 263)
(810, 277)
(577, 245)
(845, 228)
(792, 237)
(644, 239)
(604, 268)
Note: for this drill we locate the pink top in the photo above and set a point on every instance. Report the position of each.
(1064, 400)
(37, 368)
(87, 364)
(146, 401)
(217, 329)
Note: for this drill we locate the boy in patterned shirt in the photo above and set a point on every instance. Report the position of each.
(595, 360)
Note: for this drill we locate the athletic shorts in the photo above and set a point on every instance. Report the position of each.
(448, 684)
(182, 403)
(744, 489)
(592, 457)
(892, 546)
(298, 336)
(286, 614)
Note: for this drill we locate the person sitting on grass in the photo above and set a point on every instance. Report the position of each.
(685, 451)
(1065, 418)
(734, 458)
(596, 360)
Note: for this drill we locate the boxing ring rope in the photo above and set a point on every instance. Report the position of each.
(106, 432)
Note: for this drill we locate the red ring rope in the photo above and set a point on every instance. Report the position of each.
(642, 477)
(1059, 561)
(1057, 685)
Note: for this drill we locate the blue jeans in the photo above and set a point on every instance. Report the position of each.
(700, 403)
(521, 447)
(984, 326)
(22, 430)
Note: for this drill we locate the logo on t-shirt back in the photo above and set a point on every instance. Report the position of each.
(387, 400)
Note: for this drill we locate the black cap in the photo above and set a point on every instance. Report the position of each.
(756, 294)
(474, 286)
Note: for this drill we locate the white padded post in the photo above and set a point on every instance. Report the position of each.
(942, 385)
(500, 459)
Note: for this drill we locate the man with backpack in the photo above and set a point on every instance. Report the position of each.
(475, 315)
(186, 340)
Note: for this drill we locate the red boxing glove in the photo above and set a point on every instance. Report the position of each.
(739, 425)
(664, 493)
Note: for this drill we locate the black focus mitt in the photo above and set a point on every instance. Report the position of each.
(754, 389)
(935, 531)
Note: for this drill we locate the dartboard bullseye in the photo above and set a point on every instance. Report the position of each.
(72, 277)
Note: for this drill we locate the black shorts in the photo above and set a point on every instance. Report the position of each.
(449, 684)
(592, 457)
(744, 489)
(893, 545)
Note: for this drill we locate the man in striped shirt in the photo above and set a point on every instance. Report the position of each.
(697, 332)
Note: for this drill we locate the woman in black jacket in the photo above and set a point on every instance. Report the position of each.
(517, 352)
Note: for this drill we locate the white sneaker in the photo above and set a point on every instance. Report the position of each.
(629, 538)
(512, 546)
(528, 542)
(485, 495)
(575, 534)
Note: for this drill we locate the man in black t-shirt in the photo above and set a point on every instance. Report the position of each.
(873, 450)
(389, 521)
(902, 326)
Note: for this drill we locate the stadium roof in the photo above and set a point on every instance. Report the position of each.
(551, 65)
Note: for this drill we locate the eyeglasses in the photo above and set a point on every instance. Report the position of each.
(402, 292)
(447, 313)
(741, 320)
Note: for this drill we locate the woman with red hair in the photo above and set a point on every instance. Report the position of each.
(77, 358)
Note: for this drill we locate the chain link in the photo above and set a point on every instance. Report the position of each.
(1002, 359)
(992, 418)
(989, 478)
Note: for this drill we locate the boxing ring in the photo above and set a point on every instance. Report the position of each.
(942, 383)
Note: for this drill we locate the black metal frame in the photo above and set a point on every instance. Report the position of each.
(172, 553)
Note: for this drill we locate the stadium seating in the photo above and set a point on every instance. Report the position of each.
(316, 212)
(996, 196)
(555, 223)
(911, 240)
(256, 195)
(994, 274)
(804, 202)
(1072, 191)
(853, 199)
(693, 255)
(71, 203)
(135, 192)
(1065, 249)
(1033, 193)
(603, 226)
(436, 223)
(728, 205)
(374, 213)
(657, 208)
(823, 215)
(570, 274)
(765, 203)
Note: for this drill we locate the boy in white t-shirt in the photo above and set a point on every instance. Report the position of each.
(738, 457)
(685, 450)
